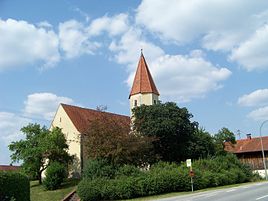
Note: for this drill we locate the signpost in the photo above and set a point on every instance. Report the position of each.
(191, 173)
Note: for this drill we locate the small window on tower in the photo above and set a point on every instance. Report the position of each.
(60, 119)
(135, 103)
(154, 101)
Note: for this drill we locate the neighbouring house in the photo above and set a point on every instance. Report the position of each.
(249, 151)
(9, 168)
(74, 121)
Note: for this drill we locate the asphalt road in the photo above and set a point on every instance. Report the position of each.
(248, 192)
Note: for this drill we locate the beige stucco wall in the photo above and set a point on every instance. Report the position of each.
(72, 135)
(146, 99)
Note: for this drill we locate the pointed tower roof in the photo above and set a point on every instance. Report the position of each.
(143, 81)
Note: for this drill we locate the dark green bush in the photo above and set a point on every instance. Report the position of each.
(128, 171)
(55, 174)
(99, 168)
(14, 186)
(91, 190)
(163, 177)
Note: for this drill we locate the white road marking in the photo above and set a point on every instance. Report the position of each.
(245, 186)
(210, 195)
(262, 197)
(258, 184)
(231, 190)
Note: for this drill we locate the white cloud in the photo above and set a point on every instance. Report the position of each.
(43, 105)
(256, 98)
(223, 25)
(185, 77)
(252, 54)
(127, 48)
(75, 40)
(259, 114)
(178, 77)
(114, 25)
(219, 21)
(10, 126)
(23, 43)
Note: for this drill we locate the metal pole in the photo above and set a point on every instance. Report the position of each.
(262, 150)
(192, 184)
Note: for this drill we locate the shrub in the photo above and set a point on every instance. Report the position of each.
(55, 174)
(130, 182)
(90, 189)
(128, 171)
(99, 168)
(14, 186)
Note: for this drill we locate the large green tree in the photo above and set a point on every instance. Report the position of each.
(224, 135)
(201, 145)
(170, 125)
(111, 139)
(39, 148)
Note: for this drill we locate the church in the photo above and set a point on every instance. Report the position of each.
(74, 120)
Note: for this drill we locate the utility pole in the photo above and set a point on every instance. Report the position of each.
(262, 150)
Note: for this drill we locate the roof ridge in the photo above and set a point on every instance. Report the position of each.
(84, 108)
(252, 138)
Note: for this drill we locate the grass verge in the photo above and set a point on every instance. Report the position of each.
(38, 192)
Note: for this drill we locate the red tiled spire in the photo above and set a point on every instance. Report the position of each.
(143, 81)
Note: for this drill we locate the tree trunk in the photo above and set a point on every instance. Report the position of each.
(40, 177)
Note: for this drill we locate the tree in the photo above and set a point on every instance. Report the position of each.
(56, 147)
(170, 125)
(224, 135)
(39, 148)
(201, 145)
(109, 138)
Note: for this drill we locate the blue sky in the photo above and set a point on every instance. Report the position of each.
(209, 56)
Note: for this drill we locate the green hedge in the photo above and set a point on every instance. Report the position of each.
(14, 186)
(99, 168)
(164, 178)
(55, 174)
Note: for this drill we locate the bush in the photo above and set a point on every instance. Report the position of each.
(130, 182)
(90, 189)
(99, 168)
(55, 174)
(128, 171)
(14, 186)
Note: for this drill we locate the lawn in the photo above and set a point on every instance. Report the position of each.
(38, 193)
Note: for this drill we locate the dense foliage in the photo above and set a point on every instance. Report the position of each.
(176, 137)
(129, 182)
(39, 149)
(224, 135)
(99, 168)
(14, 186)
(112, 140)
(55, 174)
(172, 128)
(201, 145)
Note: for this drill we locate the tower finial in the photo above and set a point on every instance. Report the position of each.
(141, 50)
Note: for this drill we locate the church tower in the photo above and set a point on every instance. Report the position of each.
(143, 90)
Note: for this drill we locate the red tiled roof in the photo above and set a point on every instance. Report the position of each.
(247, 145)
(81, 117)
(9, 168)
(143, 81)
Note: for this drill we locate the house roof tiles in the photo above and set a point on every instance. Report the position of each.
(247, 145)
(9, 168)
(81, 117)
